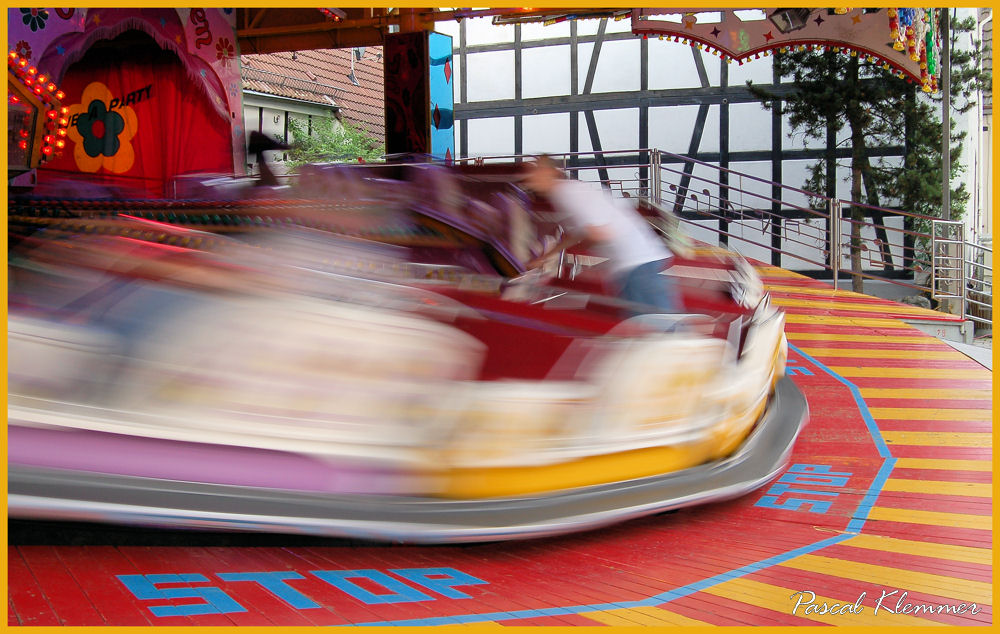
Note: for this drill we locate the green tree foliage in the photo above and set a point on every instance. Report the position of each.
(835, 91)
(331, 140)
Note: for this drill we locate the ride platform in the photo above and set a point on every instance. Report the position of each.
(883, 517)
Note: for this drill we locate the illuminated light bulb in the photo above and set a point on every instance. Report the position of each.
(64, 110)
(23, 145)
(64, 121)
(47, 150)
(42, 78)
(49, 138)
(51, 87)
(60, 94)
(22, 63)
(61, 132)
(13, 55)
(51, 114)
(32, 71)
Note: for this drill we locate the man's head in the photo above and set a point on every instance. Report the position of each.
(543, 174)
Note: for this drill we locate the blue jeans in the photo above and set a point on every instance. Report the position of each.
(645, 285)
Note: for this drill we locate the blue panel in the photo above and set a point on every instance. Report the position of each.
(442, 95)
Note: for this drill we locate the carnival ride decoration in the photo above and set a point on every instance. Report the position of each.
(906, 40)
(378, 365)
(183, 58)
(37, 120)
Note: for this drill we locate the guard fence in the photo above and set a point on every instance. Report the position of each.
(796, 229)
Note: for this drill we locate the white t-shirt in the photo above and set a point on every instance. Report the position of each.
(633, 241)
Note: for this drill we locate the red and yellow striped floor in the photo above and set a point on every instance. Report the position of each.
(884, 517)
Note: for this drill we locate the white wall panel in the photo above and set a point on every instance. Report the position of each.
(670, 128)
(539, 31)
(617, 68)
(546, 133)
(759, 71)
(483, 31)
(749, 127)
(545, 71)
(619, 129)
(671, 65)
(490, 137)
(490, 75)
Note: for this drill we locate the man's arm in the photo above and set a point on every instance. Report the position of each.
(589, 234)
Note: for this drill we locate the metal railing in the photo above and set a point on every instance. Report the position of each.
(962, 271)
(794, 228)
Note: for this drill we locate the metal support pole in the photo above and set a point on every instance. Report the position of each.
(833, 206)
(934, 261)
(654, 176)
(945, 26)
(964, 294)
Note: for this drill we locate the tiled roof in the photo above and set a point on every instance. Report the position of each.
(320, 75)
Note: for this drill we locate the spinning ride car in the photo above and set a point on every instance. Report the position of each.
(381, 366)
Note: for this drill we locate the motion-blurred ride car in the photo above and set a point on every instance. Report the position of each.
(366, 355)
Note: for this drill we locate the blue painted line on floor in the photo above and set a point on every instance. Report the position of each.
(854, 527)
(868, 501)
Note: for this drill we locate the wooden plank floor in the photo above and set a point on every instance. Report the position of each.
(884, 517)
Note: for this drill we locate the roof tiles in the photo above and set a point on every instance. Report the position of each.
(322, 75)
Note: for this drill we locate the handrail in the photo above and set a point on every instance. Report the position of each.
(895, 250)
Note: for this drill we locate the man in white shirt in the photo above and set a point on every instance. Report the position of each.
(636, 255)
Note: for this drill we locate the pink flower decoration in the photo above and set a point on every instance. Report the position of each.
(225, 50)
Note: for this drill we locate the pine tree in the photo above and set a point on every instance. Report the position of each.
(878, 108)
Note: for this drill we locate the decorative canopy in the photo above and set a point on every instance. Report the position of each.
(906, 40)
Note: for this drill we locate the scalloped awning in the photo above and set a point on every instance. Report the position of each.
(906, 40)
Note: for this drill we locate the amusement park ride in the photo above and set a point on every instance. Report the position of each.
(378, 365)
(363, 352)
